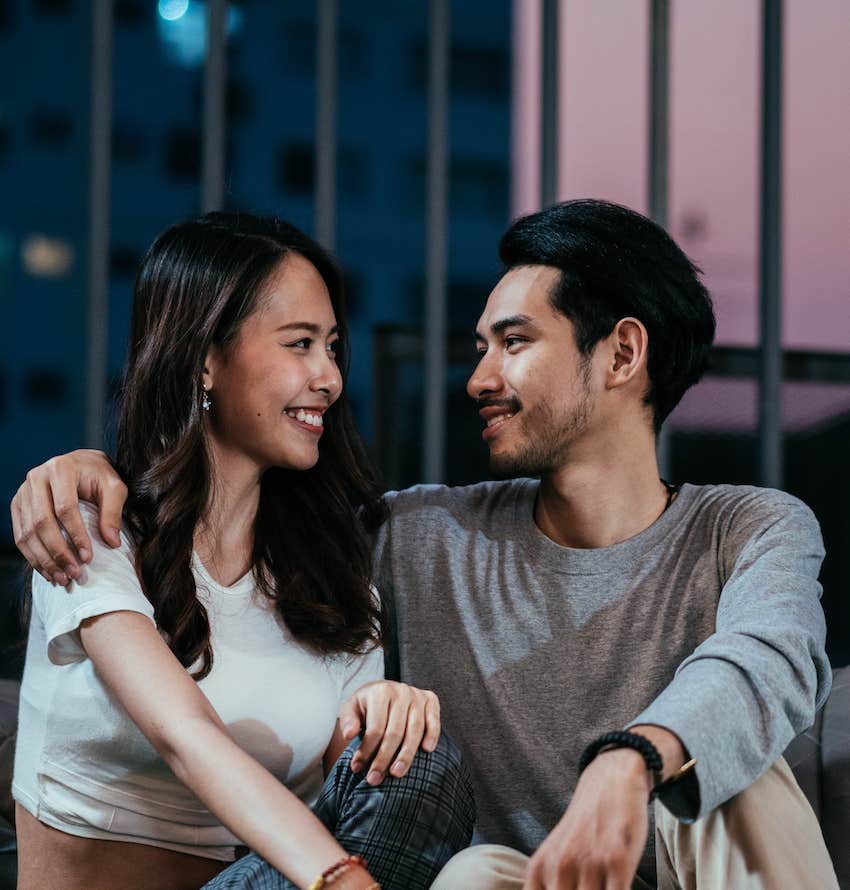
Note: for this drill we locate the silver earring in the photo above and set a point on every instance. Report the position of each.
(206, 401)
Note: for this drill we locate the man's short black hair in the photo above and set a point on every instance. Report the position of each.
(616, 263)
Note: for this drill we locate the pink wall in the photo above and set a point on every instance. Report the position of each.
(714, 96)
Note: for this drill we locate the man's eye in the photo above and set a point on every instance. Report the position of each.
(513, 341)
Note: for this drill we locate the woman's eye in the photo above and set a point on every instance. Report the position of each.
(333, 348)
(303, 343)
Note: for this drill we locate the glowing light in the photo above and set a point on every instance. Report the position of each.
(172, 10)
(46, 257)
(182, 28)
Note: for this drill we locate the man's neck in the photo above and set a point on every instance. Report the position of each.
(597, 503)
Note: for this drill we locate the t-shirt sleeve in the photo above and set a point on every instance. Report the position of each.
(107, 584)
(755, 683)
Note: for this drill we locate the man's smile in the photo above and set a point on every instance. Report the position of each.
(495, 417)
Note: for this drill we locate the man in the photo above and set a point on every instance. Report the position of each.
(547, 614)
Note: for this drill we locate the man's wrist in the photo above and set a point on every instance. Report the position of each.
(673, 753)
(638, 756)
(629, 765)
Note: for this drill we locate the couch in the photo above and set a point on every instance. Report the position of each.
(820, 758)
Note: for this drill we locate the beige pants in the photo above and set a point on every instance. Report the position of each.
(765, 838)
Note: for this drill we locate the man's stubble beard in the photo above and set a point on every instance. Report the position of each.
(546, 443)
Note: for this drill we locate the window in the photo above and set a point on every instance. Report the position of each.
(7, 18)
(354, 57)
(51, 127)
(52, 7)
(296, 169)
(130, 12)
(353, 173)
(476, 187)
(124, 261)
(479, 188)
(183, 154)
(128, 143)
(299, 48)
(45, 387)
(354, 291)
(478, 72)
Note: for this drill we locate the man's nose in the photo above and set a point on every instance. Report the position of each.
(486, 379)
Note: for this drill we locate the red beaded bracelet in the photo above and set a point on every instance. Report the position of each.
(328, 875)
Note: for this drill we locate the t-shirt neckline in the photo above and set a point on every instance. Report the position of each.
(594, 560)
(240, 587)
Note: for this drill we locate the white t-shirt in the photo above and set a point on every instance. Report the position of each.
(84, 767)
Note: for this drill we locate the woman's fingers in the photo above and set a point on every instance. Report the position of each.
(410, 745)
(433, 724)
(393, 735)
(399, 720)
(375, 703)
(423, 730)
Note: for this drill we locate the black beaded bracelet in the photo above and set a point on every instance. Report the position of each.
(624, 739)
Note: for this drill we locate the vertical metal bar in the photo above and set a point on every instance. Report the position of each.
(526, 38)
(437, 188)
(549, 104)
(770, 249)
(215, 76)
(659, 109)
(659, 151)
(100, 170)
(326, 102)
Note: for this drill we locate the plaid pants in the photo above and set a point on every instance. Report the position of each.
(406, 829)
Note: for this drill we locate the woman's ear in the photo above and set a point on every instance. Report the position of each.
(212, 361)
(629, 344)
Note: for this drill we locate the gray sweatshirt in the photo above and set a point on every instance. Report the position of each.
(707, 623)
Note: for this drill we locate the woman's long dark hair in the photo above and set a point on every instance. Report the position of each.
(197, 284)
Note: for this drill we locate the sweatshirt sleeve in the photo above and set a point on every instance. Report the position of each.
(756, 682)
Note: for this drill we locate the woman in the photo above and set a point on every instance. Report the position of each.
(169, 688)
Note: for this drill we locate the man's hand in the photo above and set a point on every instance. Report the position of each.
(50, 496)
(398, 718)
(598, 842)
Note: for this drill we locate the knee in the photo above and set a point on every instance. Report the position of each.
(443, 769)
(483, 867)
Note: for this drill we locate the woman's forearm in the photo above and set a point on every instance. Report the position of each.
(178, 720)
(251, 802)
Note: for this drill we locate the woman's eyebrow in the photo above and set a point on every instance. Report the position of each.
(309, 326)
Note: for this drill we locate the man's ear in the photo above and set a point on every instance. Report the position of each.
(628, 344)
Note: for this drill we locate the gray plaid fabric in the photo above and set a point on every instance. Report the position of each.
(406, 829)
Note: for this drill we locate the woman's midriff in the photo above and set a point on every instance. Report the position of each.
(51, 858)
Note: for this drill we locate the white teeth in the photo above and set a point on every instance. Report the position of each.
(499, 419)
(303, 417)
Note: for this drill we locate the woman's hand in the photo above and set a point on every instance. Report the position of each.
(398, 720)
(48, 501)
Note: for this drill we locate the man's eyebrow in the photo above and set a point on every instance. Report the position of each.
(308, 326)
(511, 321)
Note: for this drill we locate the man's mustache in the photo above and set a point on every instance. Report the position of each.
(511, 406)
